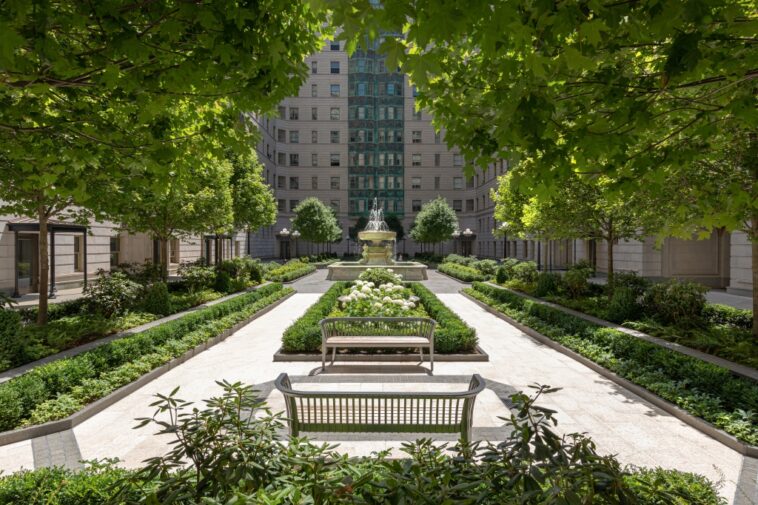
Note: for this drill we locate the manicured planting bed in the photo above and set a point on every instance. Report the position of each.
(289, 271)
(58, 389)
(452, 335)
(461, 272)
(704, 390)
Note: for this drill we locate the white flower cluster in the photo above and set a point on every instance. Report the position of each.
(379, 296)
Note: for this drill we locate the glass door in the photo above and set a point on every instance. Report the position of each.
(28, 262)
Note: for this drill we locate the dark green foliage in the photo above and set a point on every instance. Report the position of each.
(525, 271)
(289, 271)
(58, 389)
(576, 281)
(486, 266)
(461, 260)
(156, 299)
(11, 345)
(658, 486)
(723, 314)
(501, 275)
(244, 269)
(141, 273)
(632, 281)
(624, 305)
(548, 283)
(111, 294)
(223, 282)
(196, 276)
(676, 302)
(54, 310)
(452, 333)
(704, 390)
(379, 276)
(304, 335)
(461, 272)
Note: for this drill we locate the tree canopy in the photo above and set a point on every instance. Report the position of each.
(435, 223)
(316, 222)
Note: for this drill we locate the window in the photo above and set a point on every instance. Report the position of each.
(314, 67)
(335, 182)
(294, 183)
(78, 253)
(470, 183)
(294, 160)
(173, 251)
(334, 136)
(334, 89)
(414, 91)
(334, 159)
(361, 112)
(436, 183)
(457, 182)
(281, 181)
(416, 159)
(294, 113)
(416, 136)
(314, 160)
(417, 115)
(416, 205)
(335, 205)
(314, 136)
(282, 112)
(390, 88)
(314, 182)
(282, 159)
(314, 90)
(470, 205)
(334, 67)
(415, 182)
(293, 205)
(281, 205)
(390, 113)
(294, 136)
(334, 113)
(437, 137)
(237, 248)
(361, 89)
(115, 250)
(457, 205)
(457, 160)
(334, 45)
(281, 135)
(437, 159)
(314, 113)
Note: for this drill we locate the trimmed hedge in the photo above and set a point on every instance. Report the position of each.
(702, 389)
(461, 272)
(289, 271)
(451, 335)
(58, 389)
(715, 313)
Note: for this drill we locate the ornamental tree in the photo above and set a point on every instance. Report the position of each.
(315, 221)
(435, 223)
(253, 201)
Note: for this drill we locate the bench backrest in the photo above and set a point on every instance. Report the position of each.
(377, 326)
(383, 412)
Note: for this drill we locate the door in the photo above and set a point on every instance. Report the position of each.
(28, 264)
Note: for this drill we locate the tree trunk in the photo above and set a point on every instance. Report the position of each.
(43, 265)
(610, 265)
(754, 252)
(164, 256)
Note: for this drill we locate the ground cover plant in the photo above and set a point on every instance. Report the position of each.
(60, 388)
(291, 270)
(225, 448)
(702, 389)
(379, 292)
(673, 310)
(130, 295)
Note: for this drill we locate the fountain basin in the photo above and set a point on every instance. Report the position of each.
(350, 270)
(376, 235)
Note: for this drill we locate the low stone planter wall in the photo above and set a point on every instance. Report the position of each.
(354, 357)
(697, 423)
(21, 434)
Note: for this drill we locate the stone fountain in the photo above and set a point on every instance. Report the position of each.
(378, 251)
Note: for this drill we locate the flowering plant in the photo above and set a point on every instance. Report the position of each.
(367, 299)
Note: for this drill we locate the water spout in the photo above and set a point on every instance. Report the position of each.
(376, 219)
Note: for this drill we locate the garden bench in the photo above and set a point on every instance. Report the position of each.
(380, 412)
(377, 332)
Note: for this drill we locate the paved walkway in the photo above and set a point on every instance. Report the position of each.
(617, 420)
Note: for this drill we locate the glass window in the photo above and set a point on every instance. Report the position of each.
(314, 90)
(335, 182)
(436, 183)
(281, 135)
(416, 159)
(281, 205)
(334, 89)
(334, 113)
(294, 113)
(281, 181)
(293, 205)
(470, 205)
(415, 182)
(362, 87)
(382, 113)
(361, 112)
(416, 136)
(282, 112)
(437, 137)
(294, 136)
(436, 159)
(115, 249)
(314, 113)
(335, 204)
(334, 136)
(416, 205)
(334, 67)
(457, 160)
(390, 113)
(294, 159)
(470, 183)
(314, 136)
(414, 92)
(314, 67)
(390, 88)
(457, 205)
(173, 251)
(334, 159)
(314, 159)
(294, 183)
(282, 159)
(457, 182)
(417, 115)
(334, 45)
(314, 182)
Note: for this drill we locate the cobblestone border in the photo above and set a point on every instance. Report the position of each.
(697, 423)
(67, 423)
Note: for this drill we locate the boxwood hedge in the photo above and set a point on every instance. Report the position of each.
(289, 271)
(702, 389)
(58, 389)
(461, 272)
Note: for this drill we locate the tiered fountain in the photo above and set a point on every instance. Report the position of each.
(378, 251)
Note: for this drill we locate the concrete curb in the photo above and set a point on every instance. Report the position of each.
(735, 368)
(697, 423)
(479, 355)
(11, 373)
(21, 434)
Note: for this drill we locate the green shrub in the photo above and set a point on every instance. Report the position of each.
(54, 310)
(11, 345)
(657, 486)
(487, 267)
(156, 299)
(60, 388)
(197, 277)
(576, 281)
(141, 273)
(111, 294)
(624, 305)
(723, 314)
(501, 275)
(289, 271)
(461, 272)
(380, 276)
(460, 260)
(676, 302)
(548, 283)
(632, 281)
(525, 271)
(304, 335)
(452, 333)
(223, 282)
(703, 389)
